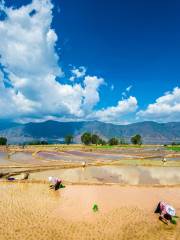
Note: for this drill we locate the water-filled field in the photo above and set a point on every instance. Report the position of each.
(122, 166)
(116, 174)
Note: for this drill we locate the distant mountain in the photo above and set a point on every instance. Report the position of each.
(53, 131)
(5, 124)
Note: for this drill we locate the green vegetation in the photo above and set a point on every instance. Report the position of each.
(86, 138)
(37, 142)
(174, 148)
(102, 142)
(173, 221)
(3, 141)
(175, 143)
(113, 141)
(95, 207)
(122, 141)
(95, 139)
(136, 139)
(107, 146)
(68, 139)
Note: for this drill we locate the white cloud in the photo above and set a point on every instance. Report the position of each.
(117, 113)
(91, 95)
(29, 58)
(78, 73)
(165, 108)
(128, 88)
(31, 66)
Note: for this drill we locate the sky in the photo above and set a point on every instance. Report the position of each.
(112, 61)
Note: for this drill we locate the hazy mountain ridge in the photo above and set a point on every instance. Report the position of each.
(54, 131)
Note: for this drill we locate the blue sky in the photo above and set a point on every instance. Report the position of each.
(113, 61)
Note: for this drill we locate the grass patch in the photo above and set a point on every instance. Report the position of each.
(174, 148)
(117, 146)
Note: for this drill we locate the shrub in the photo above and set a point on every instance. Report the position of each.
(136, 139)
(95, 139)
(113, 141)
(3, 141)
(68, 139)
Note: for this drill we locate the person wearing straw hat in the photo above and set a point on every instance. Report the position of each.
(166, 212)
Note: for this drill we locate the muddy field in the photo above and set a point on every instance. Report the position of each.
(125, 183)
(32, 211)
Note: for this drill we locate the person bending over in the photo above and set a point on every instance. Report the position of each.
(166, 212)
(55, 183)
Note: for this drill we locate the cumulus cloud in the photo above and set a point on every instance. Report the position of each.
(78, 73)
(29, 59)
(166, 108)
(29, 69)
(117, 113)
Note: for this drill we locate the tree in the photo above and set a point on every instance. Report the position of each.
(38, 142)
(113, 141)
(136, 139)
(95, 139)
(122, 141)
(68, 139)
(3, 141)
(86, 138)
(102, 142)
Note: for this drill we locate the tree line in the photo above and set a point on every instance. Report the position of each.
(87, 138)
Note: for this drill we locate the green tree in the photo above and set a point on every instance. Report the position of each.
(86, 138)
(137, 139)
(95, 139)
(113, 141)
(3, 141)
(102, 142)
(68, 139)
(38, 142)
(122, 141)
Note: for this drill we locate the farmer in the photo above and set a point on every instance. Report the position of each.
(55, 183)
(166, 212)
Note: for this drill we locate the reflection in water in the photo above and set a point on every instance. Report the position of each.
(16, 158)
(23, 157)
(100, 156)
(57, 156)
(4, 158)
(119, 174)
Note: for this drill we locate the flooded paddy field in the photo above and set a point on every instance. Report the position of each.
(124, 175)
(122, 166)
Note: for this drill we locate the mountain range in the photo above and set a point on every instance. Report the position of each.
(54, 131)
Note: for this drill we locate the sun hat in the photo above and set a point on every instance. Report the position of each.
(170, 210)
(50, 179)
